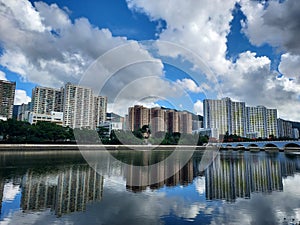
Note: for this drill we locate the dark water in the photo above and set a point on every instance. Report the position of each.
(236, 188)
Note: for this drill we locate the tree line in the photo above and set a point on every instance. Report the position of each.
(13, 131)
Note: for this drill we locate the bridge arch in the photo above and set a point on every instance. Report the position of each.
(270, 145)
(240, 145)
(292, 145)
(252, 145)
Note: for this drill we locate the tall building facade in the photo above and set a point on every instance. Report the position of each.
(235, 118)
(138, 117)
(46, 100)
(100, 109)
(7, 96)
(225, 115)
(185, 122)
(216, 114)
(172, 120)
(158, 120)
(256, 121)
(285, 128)
(272, 128)
(78, 106)
(238, 118)
(261, 121)
(22, 111)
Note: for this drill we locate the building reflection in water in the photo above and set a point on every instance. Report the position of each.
(181, 176)
(63, 192)
(229, 178)
(1, 192)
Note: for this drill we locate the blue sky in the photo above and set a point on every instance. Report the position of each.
(180, 52)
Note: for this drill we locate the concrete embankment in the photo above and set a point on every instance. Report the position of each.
(74, 147)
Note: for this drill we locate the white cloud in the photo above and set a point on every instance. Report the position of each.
(274, 22)
(198, 107)
(54, 50)
(251, 80)
(21, 97)
(44, 46)
(289, 66)
(200, 26)
(2, 75)
(203, 28)
(59, 52)
(191, 86)
(21, 13)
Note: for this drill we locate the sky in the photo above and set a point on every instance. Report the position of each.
(168, 53)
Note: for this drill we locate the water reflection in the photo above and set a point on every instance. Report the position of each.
(62, 191)
(70, 185)
(236, 176)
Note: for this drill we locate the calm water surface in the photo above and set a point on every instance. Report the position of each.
(237, 188)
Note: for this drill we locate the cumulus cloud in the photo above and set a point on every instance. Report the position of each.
(42, 44)
(273, 22)
(250, 79)
(191, 86)
(289, 66)
(45, 47)
(198, 107)
(200, 26)
(277, 24)
(203, 28)
(21, 97)
(2, 75)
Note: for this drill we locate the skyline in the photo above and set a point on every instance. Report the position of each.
(243, 52)
(161, 107)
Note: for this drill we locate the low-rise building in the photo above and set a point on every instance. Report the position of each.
(210, 132)
(53, 117)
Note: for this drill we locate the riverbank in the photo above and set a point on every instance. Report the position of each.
(74, 147)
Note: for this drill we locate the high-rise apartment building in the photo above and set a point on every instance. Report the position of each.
(256, 121)
(234, 117)
(238, 118)
(158, 120)
(216, 114)
(7, 96)
(272, 128)
(185, 122)
(46, 100)
(78, 106)
(224, 115)
(172, 121)
(100, 109)
(261, 121)
(138, 116)
(22, 111)
(285, 128)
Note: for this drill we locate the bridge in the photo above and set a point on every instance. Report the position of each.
(282, 145)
